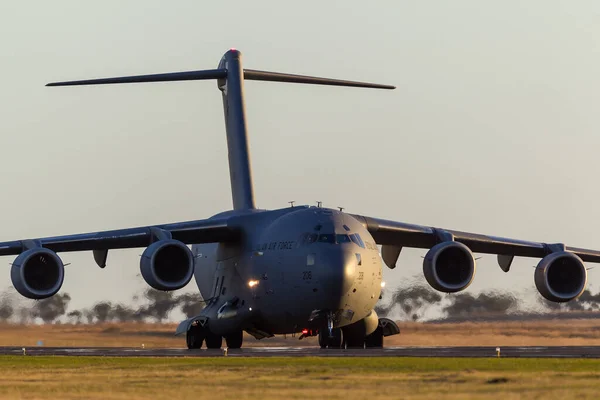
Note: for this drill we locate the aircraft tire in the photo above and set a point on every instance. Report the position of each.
(235, 340)
(194, 337)
(375, 339)
(353, 341)
(213, 341)
(327, 342)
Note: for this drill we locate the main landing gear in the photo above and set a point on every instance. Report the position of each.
(348, 338)
(198, 334)
(195, 336)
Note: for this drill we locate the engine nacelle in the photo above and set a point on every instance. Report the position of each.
(449, 267)
(37, 273)
(560, 276)
(167, 265)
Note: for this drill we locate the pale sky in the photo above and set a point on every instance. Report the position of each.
(494, 127)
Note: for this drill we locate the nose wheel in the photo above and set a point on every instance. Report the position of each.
(333, 341)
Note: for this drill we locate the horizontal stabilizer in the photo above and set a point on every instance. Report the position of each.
(249, 74)
(169, 77)
(255, 75)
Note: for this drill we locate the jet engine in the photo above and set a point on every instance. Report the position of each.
(167, 265)
(560, 276)
(449, 267)
(37, 273)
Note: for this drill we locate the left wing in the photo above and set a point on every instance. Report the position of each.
(395, 235)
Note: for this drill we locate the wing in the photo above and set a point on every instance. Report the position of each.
(399, 234)
(201, 231)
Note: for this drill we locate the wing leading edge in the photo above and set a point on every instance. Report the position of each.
(201, 231)
(401, 234)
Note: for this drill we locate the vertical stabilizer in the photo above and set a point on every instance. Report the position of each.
(240, 172)
(230, 80)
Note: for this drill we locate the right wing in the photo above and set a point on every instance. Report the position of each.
(166, 264)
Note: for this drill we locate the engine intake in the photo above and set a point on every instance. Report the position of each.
(449, 267)
(167, 265)
(560, 276)
(37, 273)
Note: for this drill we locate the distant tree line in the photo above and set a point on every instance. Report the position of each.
(156, 306)
(416, 302)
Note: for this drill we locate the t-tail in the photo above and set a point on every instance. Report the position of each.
(230, 79)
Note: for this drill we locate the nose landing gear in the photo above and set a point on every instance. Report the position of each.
(330, 339)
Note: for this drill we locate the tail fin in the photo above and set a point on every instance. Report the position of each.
(230, 80)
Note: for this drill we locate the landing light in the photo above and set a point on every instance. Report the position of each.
(382, 284)
(252, 283)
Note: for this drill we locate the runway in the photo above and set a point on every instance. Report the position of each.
(480, 352)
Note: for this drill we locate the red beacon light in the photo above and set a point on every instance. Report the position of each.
(308, 332)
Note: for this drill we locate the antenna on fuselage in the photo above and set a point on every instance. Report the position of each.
(230, 80)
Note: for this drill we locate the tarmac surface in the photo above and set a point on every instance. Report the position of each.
(512, 352)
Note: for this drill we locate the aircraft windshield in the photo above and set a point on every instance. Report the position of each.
(342, 239)
(355, 237)
(331, 238)
(327, 238)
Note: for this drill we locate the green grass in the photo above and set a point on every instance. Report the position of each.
(358, 364)
(297, 377)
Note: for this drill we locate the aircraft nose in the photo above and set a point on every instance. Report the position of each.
(338, 271)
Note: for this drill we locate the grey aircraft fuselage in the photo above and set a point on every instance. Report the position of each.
(291, 263)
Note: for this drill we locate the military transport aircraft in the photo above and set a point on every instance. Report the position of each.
(301, 269)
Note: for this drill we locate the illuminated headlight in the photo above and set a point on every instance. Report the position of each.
(382, 284)
(252, 283)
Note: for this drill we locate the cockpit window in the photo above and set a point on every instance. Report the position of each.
(360, 241)
(326, 238)
(331, 238)
(342, 239)
(355, 237)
